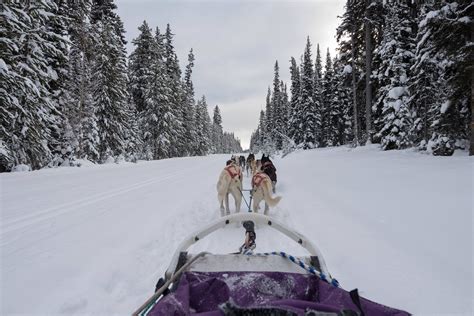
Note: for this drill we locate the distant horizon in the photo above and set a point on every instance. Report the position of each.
(241, 39)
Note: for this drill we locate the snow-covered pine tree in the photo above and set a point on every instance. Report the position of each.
(133, 141)
(158, 116)
(332, 114)
(444, 36)
(28, 112)
(109, 79)
(350, 36)
(377, 13)
(260, 137)
(425, 83)
(294, 111)
(79, 108)
(373, 25)
(217, 132)
(269, 119)
(202, 128)
(102, 9)
(231, 144)
(188, 107)
(268, 144)
(342, 103)
(308, 108)
(140, 64)
(207, 126)
(396, 53)
(63, 136)
(254, 145)
(175, 97)
(285, 104)
(320, 103)
(276, 126)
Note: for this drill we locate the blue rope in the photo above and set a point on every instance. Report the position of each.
(299, 262)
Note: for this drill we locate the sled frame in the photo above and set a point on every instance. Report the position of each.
(238, 218)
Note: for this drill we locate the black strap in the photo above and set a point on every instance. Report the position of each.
(356, 300)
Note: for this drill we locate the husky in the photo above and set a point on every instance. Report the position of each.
(266, 165)
(230, 182)
(249, 163)
(262, 190)
(242, 162)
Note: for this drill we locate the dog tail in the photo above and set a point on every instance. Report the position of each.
(267, 189)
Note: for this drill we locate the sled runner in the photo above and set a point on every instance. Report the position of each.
(250, 283)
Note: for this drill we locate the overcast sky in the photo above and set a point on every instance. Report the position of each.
(235, 44)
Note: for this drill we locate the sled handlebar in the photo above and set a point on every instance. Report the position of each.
(239, 218)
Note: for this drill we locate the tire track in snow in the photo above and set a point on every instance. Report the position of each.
(52, 212)
(172, 177)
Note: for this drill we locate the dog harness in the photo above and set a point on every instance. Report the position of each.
(258, 178)
(232, 174)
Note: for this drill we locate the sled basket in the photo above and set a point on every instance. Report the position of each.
(249, 283)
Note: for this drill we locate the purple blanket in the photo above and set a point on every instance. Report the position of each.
(209, 293)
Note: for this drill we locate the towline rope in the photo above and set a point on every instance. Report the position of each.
(299, 262)
(243, 197)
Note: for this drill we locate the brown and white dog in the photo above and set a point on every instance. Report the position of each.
(253, 167)
(262, 190)
(230, 182)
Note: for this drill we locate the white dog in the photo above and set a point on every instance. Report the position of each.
(262, 190)
(230, 181)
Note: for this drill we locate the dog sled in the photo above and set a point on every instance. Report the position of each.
(251, 283)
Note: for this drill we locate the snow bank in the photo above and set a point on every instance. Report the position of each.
(21, 168)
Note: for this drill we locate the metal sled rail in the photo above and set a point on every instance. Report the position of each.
(239, 218)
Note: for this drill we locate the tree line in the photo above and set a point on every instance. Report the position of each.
(69, 92)
(402, 78)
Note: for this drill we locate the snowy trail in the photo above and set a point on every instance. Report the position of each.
(75, 228)
(93, 241)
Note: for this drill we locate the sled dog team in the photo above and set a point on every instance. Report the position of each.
(263, 183)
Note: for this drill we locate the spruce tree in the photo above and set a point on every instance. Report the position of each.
(217, 132)
(158, 117)
(308, 107)
(284, 112)
(294, 115)
(341, 104)
(63, 135)
(425, 83)
(188, 107)
(331, 113)
(446, 32)
(29, 114)
(269, 117)
(175, 97)
(260, 137)
(397, 54)
(350, 37)
(276, 126)
(79, 111)
(110, 83)
(268, 145)
(140, 65)
(320, 105)
(202, 122)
